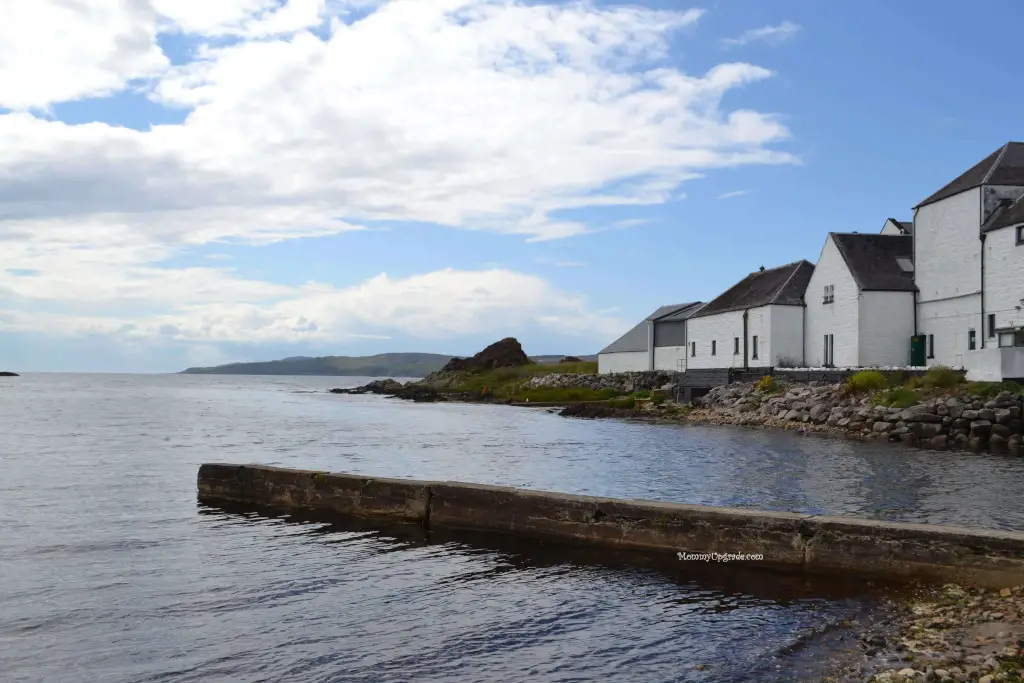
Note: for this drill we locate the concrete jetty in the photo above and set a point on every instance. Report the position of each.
(812, 543)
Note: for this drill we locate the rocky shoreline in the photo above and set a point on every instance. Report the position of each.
(946, 634)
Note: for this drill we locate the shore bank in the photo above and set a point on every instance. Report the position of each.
(966, 416)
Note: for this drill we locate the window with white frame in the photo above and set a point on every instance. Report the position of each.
(1020, 234)
(830, 294)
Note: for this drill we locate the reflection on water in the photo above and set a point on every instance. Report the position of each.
(110, 574)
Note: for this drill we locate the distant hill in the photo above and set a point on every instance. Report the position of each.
(380, 365)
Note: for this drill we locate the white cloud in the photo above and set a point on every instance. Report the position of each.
(772, 35)
(734, 193)
(487, 115)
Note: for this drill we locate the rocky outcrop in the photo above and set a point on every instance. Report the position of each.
(570, 359)
(507, 353)
(9, 374)
(955, 421)
(380, 386)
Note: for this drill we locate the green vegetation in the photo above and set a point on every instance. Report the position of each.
(558, 395)
(941, 377)
(627, 403)
(508, 382)
(895, 397)
(866, 380)
(992, 389)
(768, 385)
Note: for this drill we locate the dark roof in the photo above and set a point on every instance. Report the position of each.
(1011, 215)
(908, 226)
(783, 286)
(872, 260)
(636, 338)
(1005, 166)
(681, 313)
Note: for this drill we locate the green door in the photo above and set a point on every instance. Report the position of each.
(917, 350)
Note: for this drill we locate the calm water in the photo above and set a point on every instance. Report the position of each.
(110, 571)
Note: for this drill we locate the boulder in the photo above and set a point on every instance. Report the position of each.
(997, 444)
(507, 353)
(939, 443)
(981, 428)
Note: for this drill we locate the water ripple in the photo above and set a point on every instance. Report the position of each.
(111, 572)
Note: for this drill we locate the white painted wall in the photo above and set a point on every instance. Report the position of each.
(947, 251)
(668, 357)
(787, 335)
(889, 228)
(840, 318)
(995, 364)
(949, 321)
(724, 327)
(947, 265)
(885, 328)
(1004, 279)
(627, 361)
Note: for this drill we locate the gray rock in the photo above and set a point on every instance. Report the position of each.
(792, 415)
(926, 430)
(961, 441)
(819, 412)
(969, 415)
(1001, 430)
(997, 444)
(986, 414)
(880, 427)
(976, 444)
(939, 443)
(981, 428)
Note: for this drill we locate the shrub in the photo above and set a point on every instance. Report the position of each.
(914, 382)
(941, 377)
(643, 393)
(866, 380)
(768, 385)
(896, 378)
(559, 395)
(895, 397)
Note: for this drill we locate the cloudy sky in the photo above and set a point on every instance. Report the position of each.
(190, 182)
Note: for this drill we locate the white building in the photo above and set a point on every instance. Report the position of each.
(860, 300)
(969, 261)
(758, 322)
(658, 342)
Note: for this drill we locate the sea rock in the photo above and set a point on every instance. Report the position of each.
(6, 373)
(939, 443)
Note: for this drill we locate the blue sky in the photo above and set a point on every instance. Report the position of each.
(234, 185)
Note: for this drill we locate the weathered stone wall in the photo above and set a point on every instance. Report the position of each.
(961, 422)
(796, 541)
(624, 382)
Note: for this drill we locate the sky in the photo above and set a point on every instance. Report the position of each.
(195, 182)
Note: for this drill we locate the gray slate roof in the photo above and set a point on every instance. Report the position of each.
(636, 339)
(872, 260)
(1011, 215)
(783, 286)
(1005, 166)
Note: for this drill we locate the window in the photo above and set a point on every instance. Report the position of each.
(830, 294)
(931, 346)
(693, 348)
(736, 346)
(714, 347)
(1011, 338)
(991, 324)
(971, 340)
(753, 354)
(1020, 234)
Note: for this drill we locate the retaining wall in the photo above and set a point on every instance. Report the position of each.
(992, 559)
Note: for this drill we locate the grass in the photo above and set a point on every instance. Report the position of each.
(559, 395)
(506, 382)
(992, 389)
(895, 397)
(941, 377)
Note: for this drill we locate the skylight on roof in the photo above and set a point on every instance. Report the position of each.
(905, 264)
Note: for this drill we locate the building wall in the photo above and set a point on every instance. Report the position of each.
(669, 357)
(1004, 279)
(949, 322)
(889, 228)
(723, 328)
(947, 251)
(786, 343)
(840, 318)
(627, 361)
(885, 328)
(947, 265)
